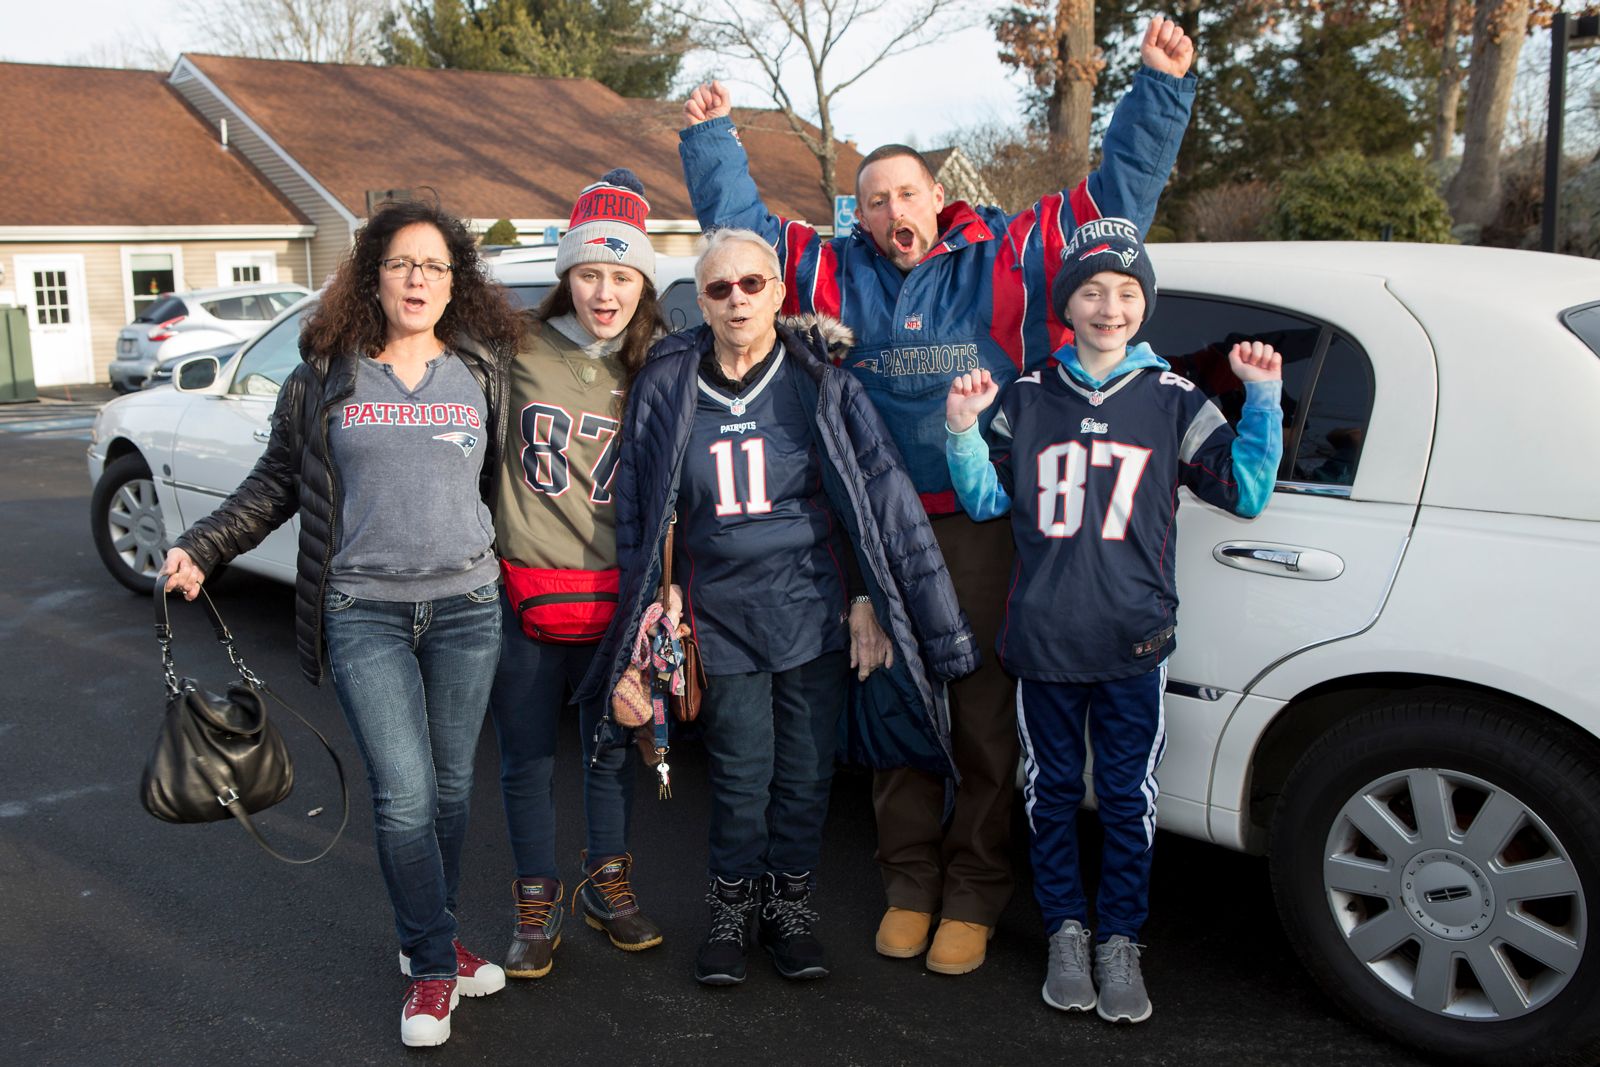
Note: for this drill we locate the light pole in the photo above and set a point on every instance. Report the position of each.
(1565, 33)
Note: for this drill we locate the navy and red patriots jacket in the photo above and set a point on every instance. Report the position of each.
(979, 298)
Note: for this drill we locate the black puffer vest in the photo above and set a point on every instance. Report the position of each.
(295, 475)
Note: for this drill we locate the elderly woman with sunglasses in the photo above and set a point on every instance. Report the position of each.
(800, 540)
(385, 441)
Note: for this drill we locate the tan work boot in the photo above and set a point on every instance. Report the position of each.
(903, 933)
(959, 947)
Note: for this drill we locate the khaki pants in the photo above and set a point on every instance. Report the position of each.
(963, 870)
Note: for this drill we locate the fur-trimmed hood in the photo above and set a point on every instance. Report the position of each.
(838, 337)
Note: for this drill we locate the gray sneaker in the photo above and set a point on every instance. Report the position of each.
(1116, 972)
(1067, 986)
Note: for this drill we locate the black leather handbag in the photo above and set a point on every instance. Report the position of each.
(221, 756)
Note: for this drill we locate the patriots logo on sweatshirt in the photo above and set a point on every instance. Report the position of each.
(618, 246)
(464, 441)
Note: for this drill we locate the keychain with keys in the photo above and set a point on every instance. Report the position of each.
(664, 790)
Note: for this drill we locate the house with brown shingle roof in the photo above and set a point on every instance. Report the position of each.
(115, 191)
(492, 145)
(293, 153)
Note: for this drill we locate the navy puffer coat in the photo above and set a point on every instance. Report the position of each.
(872, 496)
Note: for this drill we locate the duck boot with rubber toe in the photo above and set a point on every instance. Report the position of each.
(609, 904)
(538, 932)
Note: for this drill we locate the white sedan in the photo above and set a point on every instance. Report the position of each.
(1380, 683)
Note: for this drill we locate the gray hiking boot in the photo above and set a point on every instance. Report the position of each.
(1116, 972)
(1067, 985)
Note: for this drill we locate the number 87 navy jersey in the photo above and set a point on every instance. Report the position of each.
(1091, 478)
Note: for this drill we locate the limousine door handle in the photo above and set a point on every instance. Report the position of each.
(1284, 561)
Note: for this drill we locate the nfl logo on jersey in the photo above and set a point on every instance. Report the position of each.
(913, 322)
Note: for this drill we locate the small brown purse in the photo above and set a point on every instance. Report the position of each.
(687, 706)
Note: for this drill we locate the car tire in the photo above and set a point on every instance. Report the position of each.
(1434, 858)
(125, 515)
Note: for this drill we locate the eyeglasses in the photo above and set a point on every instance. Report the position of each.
(750, 283)
(401, 267)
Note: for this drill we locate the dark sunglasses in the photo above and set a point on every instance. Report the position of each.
(750, 283)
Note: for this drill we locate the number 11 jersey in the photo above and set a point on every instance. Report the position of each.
(759, 555)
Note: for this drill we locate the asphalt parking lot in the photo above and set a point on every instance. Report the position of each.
(134, 942)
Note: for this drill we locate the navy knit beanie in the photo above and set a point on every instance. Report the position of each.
(1104, 244)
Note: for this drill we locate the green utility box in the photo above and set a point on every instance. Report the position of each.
(16, 357)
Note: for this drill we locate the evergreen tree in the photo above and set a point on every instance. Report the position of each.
(626, 45)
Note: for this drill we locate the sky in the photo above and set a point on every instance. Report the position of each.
(916, 97)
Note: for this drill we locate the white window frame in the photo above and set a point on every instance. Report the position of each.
(266, 260)
(128, 252)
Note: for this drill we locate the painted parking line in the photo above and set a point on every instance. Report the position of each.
(82, 422)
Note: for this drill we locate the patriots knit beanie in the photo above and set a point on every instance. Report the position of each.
(1104, 244)
(607, 226)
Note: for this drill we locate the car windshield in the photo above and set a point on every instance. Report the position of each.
(1584, 321)
(168, 307)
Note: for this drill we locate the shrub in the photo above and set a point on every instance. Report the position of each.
(503, 232)
(1348, 197)
(1233, 211)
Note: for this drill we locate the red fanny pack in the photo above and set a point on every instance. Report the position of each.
(569, 606)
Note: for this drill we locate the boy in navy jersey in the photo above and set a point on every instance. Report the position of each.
(1088, 455)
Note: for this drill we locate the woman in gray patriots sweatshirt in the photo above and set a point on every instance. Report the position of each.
(385, 441)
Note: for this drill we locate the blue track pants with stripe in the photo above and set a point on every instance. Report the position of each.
(1125, 723)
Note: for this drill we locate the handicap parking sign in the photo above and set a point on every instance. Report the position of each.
(844, 213)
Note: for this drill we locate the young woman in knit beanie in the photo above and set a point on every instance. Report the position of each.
(556, 535)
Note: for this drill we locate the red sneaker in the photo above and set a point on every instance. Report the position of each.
(425, 1019)
(475, 976)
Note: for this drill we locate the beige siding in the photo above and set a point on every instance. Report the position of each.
(108, 288)
(675, 244)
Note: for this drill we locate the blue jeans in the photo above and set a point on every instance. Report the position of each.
(531, 689)
(770, 738)
(413, 679)
(1127, 726)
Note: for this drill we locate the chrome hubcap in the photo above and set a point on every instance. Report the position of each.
(137, 532)
(1455, 894)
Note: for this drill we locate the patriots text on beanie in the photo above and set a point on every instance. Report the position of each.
(1104, 244)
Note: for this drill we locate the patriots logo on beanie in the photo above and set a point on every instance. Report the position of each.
(1102, 245)
(608, 225)
(616, 244)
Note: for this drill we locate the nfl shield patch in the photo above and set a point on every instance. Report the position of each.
(913, 322)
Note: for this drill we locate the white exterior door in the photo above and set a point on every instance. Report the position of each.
(52, 290)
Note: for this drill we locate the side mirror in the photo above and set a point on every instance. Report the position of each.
(195, 374)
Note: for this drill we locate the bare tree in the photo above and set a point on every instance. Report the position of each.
(1497, 33)
(322, 31)
(1054, 42)
(776, 34)
(1447, 99)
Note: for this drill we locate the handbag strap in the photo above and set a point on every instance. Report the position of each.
(667, 552)
(214, 778)
(220, 628)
